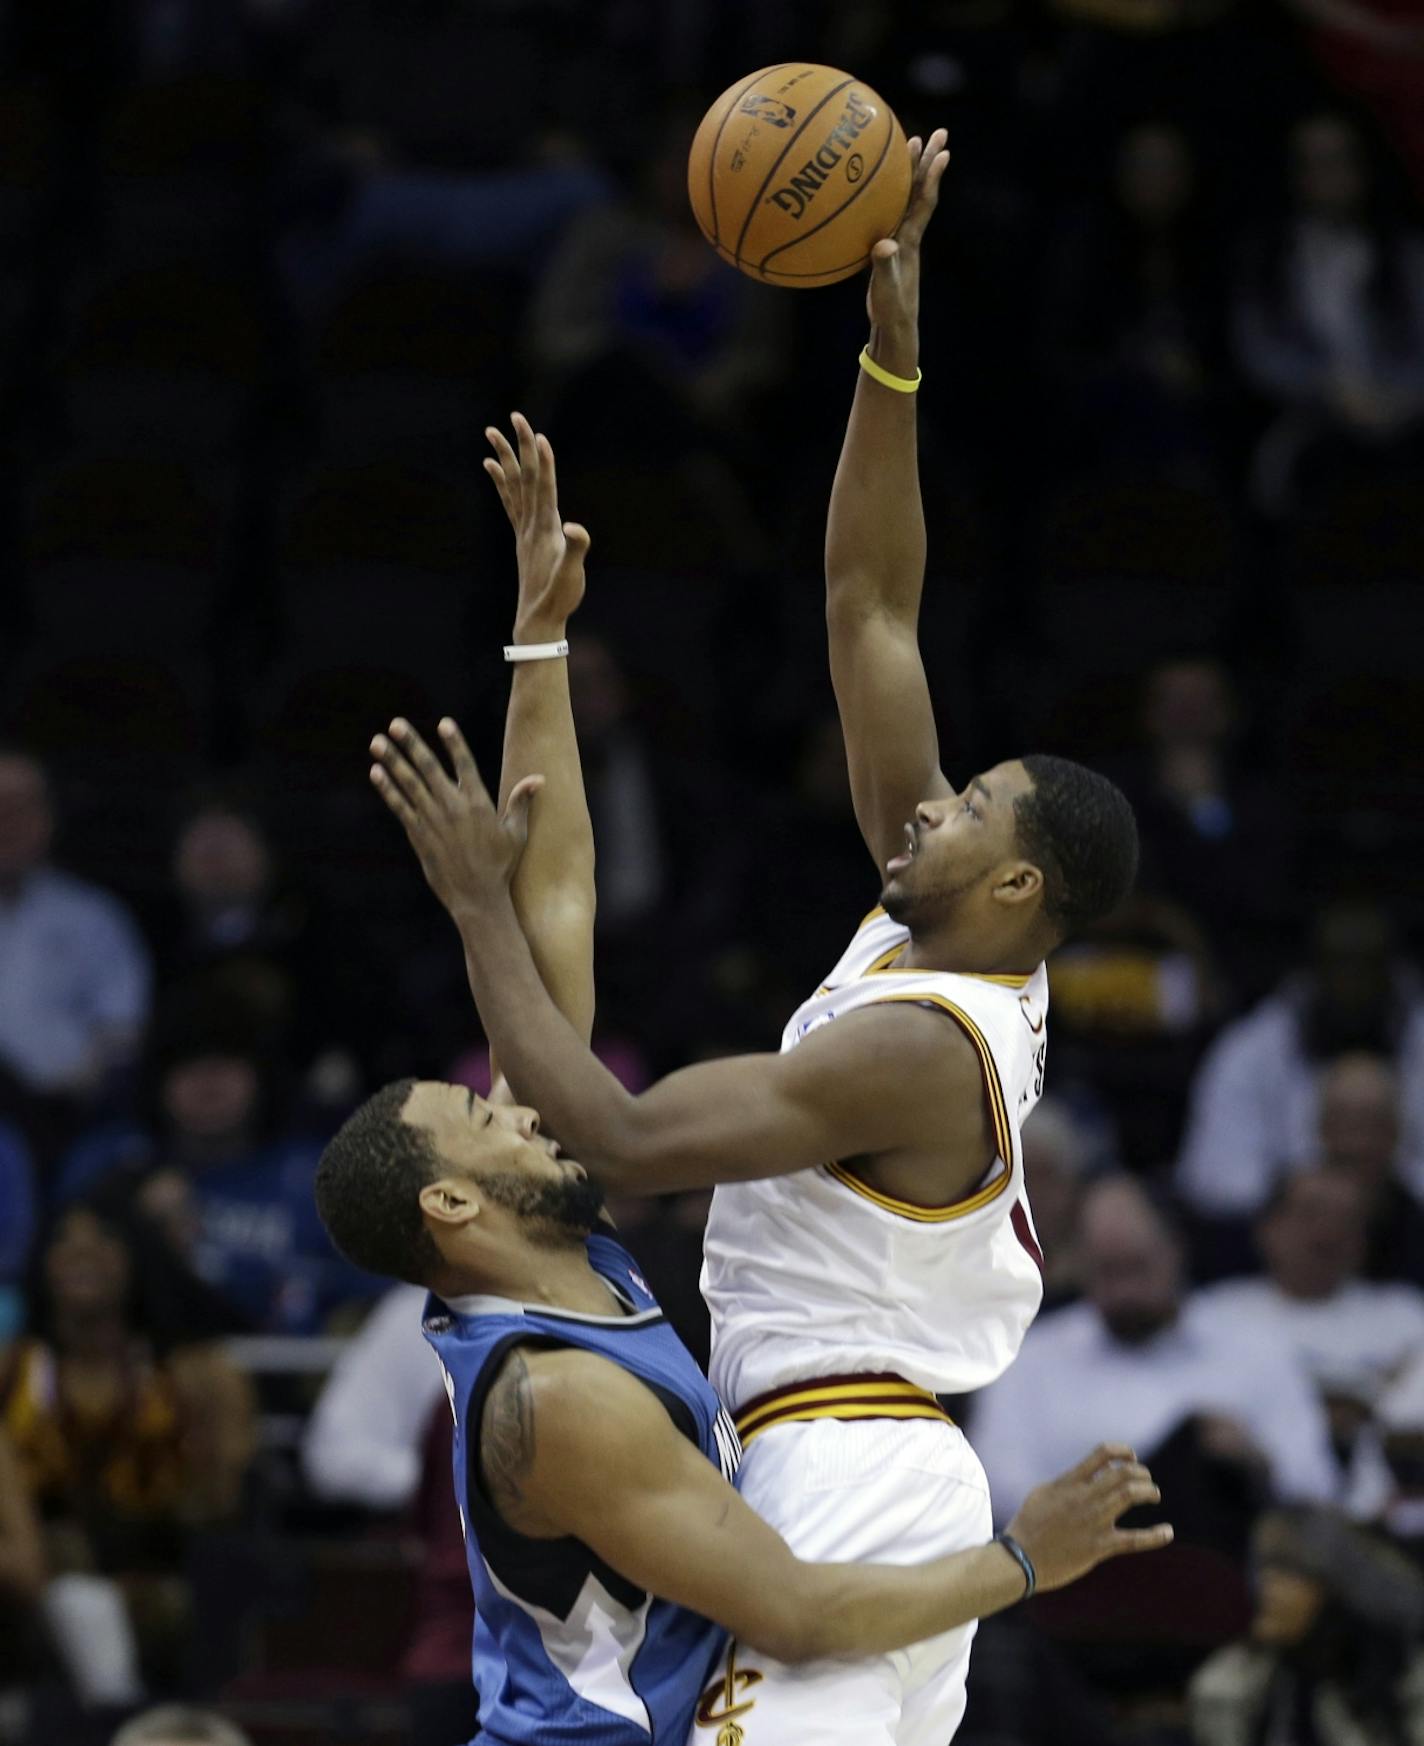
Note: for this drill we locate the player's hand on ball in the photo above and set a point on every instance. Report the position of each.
(551, 552)
(894, 296)
(1070, 1525)
(467, 852)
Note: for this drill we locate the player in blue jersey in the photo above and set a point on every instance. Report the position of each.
(608, 1551)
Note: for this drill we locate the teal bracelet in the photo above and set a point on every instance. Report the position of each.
(1021, 1558)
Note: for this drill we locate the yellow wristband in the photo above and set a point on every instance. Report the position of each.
(901, 384)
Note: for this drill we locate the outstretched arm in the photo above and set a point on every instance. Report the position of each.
(573, 1444)
(553, 887)
(875, 549)
(719, 1121)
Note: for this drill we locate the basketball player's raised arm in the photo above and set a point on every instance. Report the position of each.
(875, 550)
(553, 887)
(571, 1444)
(718, 1121)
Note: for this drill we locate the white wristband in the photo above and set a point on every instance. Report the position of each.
(536, 651)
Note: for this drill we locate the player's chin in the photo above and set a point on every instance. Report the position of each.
(895, 900)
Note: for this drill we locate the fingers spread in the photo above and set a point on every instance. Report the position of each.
(509, 466)
(467, 772)
(528, 449)
(1142, 1539)
(420, 755)
(398, 770)
(394, 799)
(547, 494)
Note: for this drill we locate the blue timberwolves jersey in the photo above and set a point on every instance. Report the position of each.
(567, 1652)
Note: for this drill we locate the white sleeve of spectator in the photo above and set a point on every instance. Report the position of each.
(1002, 1436)
(1228, 1153)
(1287, 1422)
(364, 1442)
(122, 974)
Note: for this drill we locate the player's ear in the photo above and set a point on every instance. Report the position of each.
(450, 1202)
(1018, 882)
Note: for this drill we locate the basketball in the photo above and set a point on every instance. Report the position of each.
(796, 173)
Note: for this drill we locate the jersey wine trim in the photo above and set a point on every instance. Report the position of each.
(998, 1111)
(842, 1397)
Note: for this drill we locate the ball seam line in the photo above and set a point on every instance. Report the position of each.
(835, 91)
(831, 217)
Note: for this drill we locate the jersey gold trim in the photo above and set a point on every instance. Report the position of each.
(885, 960)
(922, 1215)
(874, 915)
(993, 1090)
(844, 1398)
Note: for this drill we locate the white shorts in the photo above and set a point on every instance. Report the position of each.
(870, 1491)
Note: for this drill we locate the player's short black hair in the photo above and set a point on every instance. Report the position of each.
(1079, 829)
(368, 1187)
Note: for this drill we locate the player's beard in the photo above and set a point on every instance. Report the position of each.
(921, 909)
(554, 1213)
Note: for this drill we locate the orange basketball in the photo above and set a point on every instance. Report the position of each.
(796, 173)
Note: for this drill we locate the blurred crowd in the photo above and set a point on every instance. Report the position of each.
(267, 269)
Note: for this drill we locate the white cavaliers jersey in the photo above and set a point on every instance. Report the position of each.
(819, 1274)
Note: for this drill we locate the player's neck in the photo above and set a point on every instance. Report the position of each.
(966, 950)
(560, 1279)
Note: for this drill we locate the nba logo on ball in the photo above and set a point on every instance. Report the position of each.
(801, 200)
(769, 109)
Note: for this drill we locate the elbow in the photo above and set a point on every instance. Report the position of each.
(623, 1153)
(795, 1622)
(784, 1634)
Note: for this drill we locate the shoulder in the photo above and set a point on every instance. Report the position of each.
(899, 1040)
(79, 901)
(545, 1413)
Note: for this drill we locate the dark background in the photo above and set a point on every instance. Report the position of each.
(268, 271)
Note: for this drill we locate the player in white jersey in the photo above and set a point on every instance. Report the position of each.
(889, 1253)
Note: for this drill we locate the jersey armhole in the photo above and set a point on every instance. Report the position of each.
(988, 1070)
(672, 1403)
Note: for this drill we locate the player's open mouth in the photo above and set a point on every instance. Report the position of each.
(898, 863)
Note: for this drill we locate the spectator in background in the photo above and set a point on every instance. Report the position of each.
(1398, 1428)
(637, 280)
(1215, 840)
(22, 1571)
(622, 789)
(380, 1437)
(173, 1725)
(1351, 1337)
(1329, 323)
(17, 1224)
(364, 1439)
(1375, 50)
(648, 344)
(1057, 1158)
(1334, 1654)
(1359, 1136)
(74, 976)
(1137, 1362)
(122, 1451)
(231, 910)
(210, 1168)
(1134, 315)
(1255, 1103)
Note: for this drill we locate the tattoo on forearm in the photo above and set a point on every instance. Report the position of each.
(507, 1435)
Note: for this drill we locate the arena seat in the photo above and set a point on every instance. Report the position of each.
(165, 358)
(415, 363)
